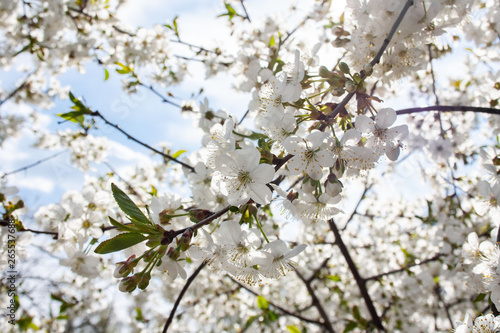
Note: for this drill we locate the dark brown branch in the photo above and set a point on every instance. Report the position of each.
(359, 280)
(285, 311)
(314, 274)
(183, 291)
(450, 108)
(394, 28)
(54, 234)
(192, 45)
(98, 114)
(204, 222)
(32, 164)
(315, 301)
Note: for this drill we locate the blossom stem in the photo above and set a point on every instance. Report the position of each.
(260, 227)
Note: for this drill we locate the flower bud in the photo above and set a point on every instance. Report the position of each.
(143, 284)
(325, 73)
(129, 284)
(173, 254)
(124, 268)
(368, 69)
(186, 239)
(344, 68)
(350, 87)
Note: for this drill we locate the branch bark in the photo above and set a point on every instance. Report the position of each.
(179, 298)
(359, 280)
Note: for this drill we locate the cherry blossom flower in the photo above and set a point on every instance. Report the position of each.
(383, 138)
(309, 154)
(281, 255)
(241, 177)
(488, 199)
(482, 324)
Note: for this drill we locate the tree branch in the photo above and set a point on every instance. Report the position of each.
(183, 291)
(163, 98)
(449, 108)
(315, 301)
(285, 311)
(377, 57)
(359, 280)
(98, 114)
(404, 268)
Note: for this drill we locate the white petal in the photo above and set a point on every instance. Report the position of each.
(364, 124)
(260, 193)
(385, 117)
(264, 173)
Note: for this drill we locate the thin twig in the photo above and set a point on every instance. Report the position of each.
(367, 188)
(18, 88)
(163, 98)
(32, 165)
(98, 114)
(247, 17)
(359, 280)
(244, 116)
(315, 301)
(285, 311)
(183, 291)
(377, 57)
(131, 189)
(402, 269)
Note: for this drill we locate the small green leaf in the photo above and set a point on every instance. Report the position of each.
(262, 303)
(272, 42)
(479, 298)
(293, 329)
(334, 278)
(249, 322)
(178, 153)
(120, 226)
(128, 206)
(351, 326)
(119, 242)
(124, 69)
(106, 74)
(73, 116)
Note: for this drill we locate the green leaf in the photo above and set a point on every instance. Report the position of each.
(73, 116)
(230, 12)
(120, 226)
(178, 153)
(272, 42)
(262, 303)
(128, 206)
(293, 329)
(124, 69)
(479, 298)
(334, 278)
(106, 74)
(351, 326)
(249, 322)
(119, 242)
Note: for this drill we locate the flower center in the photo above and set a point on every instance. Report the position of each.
(244, 177)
